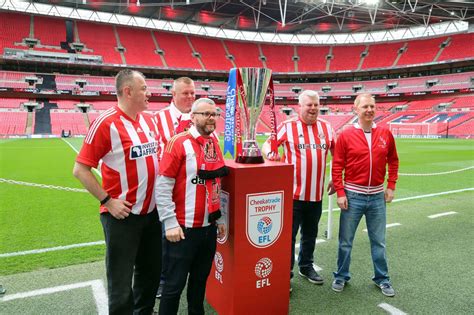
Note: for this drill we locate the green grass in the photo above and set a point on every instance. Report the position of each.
(429, 260)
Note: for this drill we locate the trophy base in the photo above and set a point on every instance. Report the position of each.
(250, 159)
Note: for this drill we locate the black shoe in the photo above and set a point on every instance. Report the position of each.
(311, 274)
(159, 291)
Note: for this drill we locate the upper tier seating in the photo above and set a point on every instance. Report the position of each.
(13, 28)
(381, 55)
(101, 39)
(139, 47)
(43, 27)
(178, 53)
(421, 51)
(279, 57)
(346, 58)
(312, 58)
(212, 53)
(461, 47)
(245, 54)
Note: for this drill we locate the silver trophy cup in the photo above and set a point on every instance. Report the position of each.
(251, 100)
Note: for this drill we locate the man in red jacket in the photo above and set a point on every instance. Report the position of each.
(363, 152)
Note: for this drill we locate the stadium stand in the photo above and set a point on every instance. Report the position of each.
(139, 47)
(67, 120)
(177, 51)
(11, 102)
(245, 54)
(312, 59)
(279, 58)
(421, 51)
(381, 55)
(212, 53)
(101, 39)
(13, 122)
(43, 27)
(346, 58)
(459, 48)
(14, 28)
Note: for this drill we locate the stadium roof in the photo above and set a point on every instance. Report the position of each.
(300, 21)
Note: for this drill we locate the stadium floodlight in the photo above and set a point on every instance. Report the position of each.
(369, 2)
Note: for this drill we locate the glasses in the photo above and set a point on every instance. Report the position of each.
(208, 114)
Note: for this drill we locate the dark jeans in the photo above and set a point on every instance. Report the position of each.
(192, 256)
(306, 215)
(133, 255)
(164, 244)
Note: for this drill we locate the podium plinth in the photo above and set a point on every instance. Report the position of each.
(251, 268)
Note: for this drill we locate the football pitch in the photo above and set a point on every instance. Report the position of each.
(52, 250)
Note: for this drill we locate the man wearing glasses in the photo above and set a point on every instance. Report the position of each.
(171, 121)
(188, 196)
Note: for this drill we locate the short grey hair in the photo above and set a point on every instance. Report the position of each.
(201, 100)
(309, 93)
(125, 77)
(359, 96)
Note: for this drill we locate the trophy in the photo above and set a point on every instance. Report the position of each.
(251, 99)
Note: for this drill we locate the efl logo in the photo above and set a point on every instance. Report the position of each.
(263, 269)
(143, 150)
(264, 226)
(219, 263)
(264, 218)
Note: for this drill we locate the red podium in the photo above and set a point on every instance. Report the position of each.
(251, 269)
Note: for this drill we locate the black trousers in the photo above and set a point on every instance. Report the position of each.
(133, 255)
(190, 259)
(306, 215)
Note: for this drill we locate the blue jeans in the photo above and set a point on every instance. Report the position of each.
(306, 215)
(373, 207)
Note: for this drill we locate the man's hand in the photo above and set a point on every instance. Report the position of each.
(389, 194)
(342, 202)
(175, 234)
(118, 208)
(271, 156)
(331, 189)
(220, 230)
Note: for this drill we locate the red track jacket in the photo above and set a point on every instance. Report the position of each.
(364, 168)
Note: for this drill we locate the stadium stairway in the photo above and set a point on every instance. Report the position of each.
(43, 117)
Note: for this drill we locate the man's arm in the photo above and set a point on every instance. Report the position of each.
(266, 150)
(116, 207)
(338, 165)
(166, 208)
(393, 163)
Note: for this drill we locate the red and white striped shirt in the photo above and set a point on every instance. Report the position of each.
(306, 147)
(167, 120)
(180, 162)
(128, 150)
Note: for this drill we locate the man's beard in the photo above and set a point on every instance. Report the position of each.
(206, 130)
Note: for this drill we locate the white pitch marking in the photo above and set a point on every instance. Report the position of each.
(421, 196)
(387, 226)
(316, 267)
(336, 209)
(97, 286)
(391, 309)
(75, 150)
(434, 216)
(51, 249)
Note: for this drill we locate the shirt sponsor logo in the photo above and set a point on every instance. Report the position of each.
(143, 150)
(312, 146)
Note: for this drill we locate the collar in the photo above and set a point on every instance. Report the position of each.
(194, 132)
(357, 126)
(175, 112)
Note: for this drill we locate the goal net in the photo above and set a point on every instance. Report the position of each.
(415, 129)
